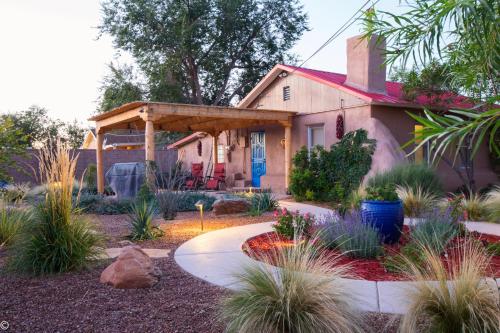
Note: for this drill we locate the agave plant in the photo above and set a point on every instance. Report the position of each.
(452, 299)
(415, 201)
(306, 294)
(141, 221)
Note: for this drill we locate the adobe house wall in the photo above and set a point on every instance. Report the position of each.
(402, 126)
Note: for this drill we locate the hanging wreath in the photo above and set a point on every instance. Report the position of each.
(340, 126)
(199, 148)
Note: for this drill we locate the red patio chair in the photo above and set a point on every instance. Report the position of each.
(196, 179)
(219, 177)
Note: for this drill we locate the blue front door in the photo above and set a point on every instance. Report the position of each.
(258, 140)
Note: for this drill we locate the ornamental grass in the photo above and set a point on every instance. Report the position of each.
(452, 297)
(306, 294)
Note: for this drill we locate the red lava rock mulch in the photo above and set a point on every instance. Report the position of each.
(265, 244)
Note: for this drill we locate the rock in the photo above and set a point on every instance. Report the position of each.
(124, 243)
(230, 206)
(132, 269)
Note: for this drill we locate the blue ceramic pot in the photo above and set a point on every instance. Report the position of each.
(386, 216)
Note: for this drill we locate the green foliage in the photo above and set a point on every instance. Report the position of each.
(187, 200)
(305, 295)
(168, 203)
(383, 193)
(293, 225)
(99, 204)
(474, 207)
(262, 202)
(410, 253)
(351, 236)
(13, 142)
(413, 176)
(141, 221)
(492, 204)
(119, 88)
(14, 193)
(56, 239)
(415, 202)
(203, 52)
(11, 223)
(74, 134)
(493, 248)
(435, 231)
(145, 194)
(332, 175)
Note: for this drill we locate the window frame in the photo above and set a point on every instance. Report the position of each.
(310, 129)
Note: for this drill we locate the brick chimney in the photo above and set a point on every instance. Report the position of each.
(365, 64)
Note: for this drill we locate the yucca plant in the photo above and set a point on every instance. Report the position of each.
(306, 294)
(141, 221)
(56, 239)
(452, 299)
(416, 201)
(492, 205)
(473, 206)
(11, 222)
(262, 202)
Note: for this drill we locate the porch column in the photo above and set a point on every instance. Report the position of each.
(288, 154)
(100, 162)
(150, 141)
(215, 145)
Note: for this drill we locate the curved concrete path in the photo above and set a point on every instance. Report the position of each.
(216, 256)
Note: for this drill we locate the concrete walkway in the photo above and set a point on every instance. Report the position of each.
(217, 256)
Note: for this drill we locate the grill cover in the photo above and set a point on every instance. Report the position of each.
(125, 179)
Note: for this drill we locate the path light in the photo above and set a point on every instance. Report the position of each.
(199, 206)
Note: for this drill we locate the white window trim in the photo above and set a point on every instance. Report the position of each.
(221, 148)
(309, 135)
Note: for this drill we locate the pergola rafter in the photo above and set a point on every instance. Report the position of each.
(152, 116)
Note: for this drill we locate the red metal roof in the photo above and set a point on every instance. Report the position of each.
(394, 91)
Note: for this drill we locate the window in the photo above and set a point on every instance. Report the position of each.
(286, 93)
(315, 136)
(422, 154)
(220, 153)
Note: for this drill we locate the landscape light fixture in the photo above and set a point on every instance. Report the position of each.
(199, 206)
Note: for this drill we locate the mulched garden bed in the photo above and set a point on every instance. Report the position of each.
(264, 245)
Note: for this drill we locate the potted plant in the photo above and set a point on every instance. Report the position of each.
(383, 209)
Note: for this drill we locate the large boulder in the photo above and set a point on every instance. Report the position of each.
(132, 269)
(230, 206)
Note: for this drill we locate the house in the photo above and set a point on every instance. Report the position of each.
(362, 98)
(123, 139)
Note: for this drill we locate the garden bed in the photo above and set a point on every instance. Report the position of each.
(264, 245)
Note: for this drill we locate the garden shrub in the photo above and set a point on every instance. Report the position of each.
(409, 175)
(435, 231)
(262, 202)
(399, 263)
(100, 204)
(168, 203)
(306, 295)
(492, 204)
(293, 225)
(14, 193)
(454, 300)
(415, 201)
(11, 223)
(331, 175)
(473, 207)
(381, 193)
(145, 193)
(55, 239)
(141, 221)
(351, 236)
(186, 201)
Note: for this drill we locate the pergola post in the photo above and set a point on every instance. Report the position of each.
(288, 154)
(215, 145)
(150, 141)
(100, 162)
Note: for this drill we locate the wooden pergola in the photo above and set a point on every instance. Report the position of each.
(151, 116)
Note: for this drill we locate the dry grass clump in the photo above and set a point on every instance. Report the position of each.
(464, 304)
(492, 204)
(56, 239)
(416, 201)
(474, 207)
(305, 294)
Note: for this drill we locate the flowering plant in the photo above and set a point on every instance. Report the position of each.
(292, 225)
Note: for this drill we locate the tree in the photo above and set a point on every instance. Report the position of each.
(13, 143)
(74, 134)
(204, 51)
(118, 88)
(464, 35)
(36, 125)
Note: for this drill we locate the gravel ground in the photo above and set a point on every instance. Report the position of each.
(77, 302)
